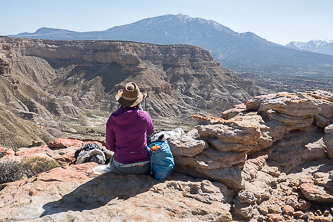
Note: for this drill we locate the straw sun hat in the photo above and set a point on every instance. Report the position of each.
(130, 95)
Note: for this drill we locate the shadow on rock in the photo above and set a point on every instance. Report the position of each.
(99, 192)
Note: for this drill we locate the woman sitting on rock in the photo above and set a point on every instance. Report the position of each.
(126, 132)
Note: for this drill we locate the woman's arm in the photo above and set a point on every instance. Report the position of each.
(150, 126)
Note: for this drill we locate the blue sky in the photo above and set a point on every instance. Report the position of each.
(279, 21)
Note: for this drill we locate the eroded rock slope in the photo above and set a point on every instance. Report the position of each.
(69, 86)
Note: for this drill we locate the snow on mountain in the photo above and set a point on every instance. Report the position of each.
(242, 52)
(318, 46)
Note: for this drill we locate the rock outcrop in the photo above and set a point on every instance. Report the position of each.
(252, 167)
(4, 67)
(76, 192)
(257, 149)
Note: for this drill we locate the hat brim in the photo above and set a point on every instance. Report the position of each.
(128, 103)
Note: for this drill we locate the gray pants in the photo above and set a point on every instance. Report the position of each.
(130, 170)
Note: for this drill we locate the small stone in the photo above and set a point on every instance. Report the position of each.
(263, 208)
(294, 182)
(294, 188)
(275, 217)
(322, 219)
(326, 213)
(309, 216)
(261, 218)
(289, 218)
(319, 175)
(303, 204)
(287, 209)
(274, 208)
(292, 200)
(318, 213)
(329, 129)
(299, 214)
(36, 143)
(330, 174)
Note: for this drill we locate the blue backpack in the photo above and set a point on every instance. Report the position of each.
(162, 162)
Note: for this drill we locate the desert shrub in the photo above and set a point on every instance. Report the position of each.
(10, 171)
(36, 165)
(3, 153)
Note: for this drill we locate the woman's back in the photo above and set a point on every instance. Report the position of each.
(127, 131)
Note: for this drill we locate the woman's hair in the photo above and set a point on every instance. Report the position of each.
(137, 106)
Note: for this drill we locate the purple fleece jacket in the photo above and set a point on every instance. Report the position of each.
(126, 134)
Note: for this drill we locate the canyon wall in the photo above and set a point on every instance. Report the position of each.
(65, 86)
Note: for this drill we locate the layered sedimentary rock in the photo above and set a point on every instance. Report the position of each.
(78, 193)
(259, 149)
(282, 123)
(74, 82)
(250, 167)
(4, 67)
(16, 132)
(328, 138)
(184, 74)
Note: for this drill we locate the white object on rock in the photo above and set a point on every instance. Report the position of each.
(164, 135)
(102, 169)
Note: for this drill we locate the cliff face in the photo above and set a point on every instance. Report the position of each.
(74, 82)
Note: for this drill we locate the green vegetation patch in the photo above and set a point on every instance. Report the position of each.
(36, 165)
(11, 171)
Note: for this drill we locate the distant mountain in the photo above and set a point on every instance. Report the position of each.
(318, 46)
(49, 33)
(244, 52)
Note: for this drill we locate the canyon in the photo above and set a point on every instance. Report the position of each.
(247, 154)
(52, 89)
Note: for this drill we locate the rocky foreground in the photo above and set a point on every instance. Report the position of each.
(269, 159)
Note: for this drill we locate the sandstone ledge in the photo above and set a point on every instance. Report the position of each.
(252, 167)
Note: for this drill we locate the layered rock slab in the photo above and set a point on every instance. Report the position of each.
(250, 154)
(75, 192)
(319, 187)
(275, 133)
(328, 138)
